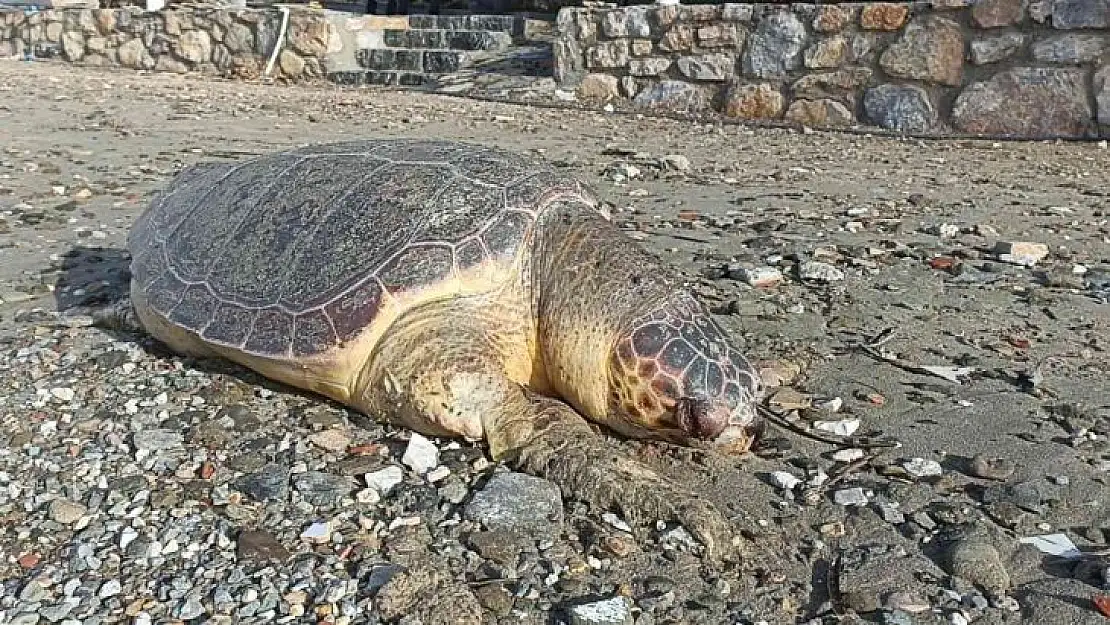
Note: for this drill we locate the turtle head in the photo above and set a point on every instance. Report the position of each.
(675, 373)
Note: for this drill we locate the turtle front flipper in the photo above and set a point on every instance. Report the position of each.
(549, 439)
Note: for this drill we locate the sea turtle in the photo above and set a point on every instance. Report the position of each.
(457, 290)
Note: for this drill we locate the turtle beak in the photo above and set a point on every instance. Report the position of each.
(740, 435)
(701, 418)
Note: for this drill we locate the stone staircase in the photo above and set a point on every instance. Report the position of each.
(414, 50)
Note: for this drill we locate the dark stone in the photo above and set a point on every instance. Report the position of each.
(441, 62)
(516, 502)
(269, 482)
(383, 59)
(1026, 102)
(1068, 14)
(477, 40)
(901, 108)
(776, 46)
(322, 489)
(260, 546)
(414, 38)
(500, 546)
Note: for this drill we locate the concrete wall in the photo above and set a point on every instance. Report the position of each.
(1030, 68)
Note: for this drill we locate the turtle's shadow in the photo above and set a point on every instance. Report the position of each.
(96, 278)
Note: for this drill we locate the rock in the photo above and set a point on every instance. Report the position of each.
(673, 95)
(602, 86)
(819, 113)
(675, 162)
(783, 480)
(1024, 253)
(831, 18)
(850, 497)
(322, 489)
(613, 611)
(761, 277)
(32, 592)
(421, 455)
(309, 35)
(332, 439)
(260, 546)
(190, 609)
(826, 53)
(194, 46)
(292, 66)
(840, 85)
(608, 55)
(500, 546)
(776, 46)
(626, 22)
(1102, 95)
(383, 480)
(754, 101)
(1001, 104)
(134, 54)
(517, 502)
(820, 272)
(883, 16)
(978, 562)
(66, 512)
(996, 13)
(900, 108)
(719, 36)
(931, 49)
(895, 617)
(890, 513)
(1069, 14)
(707, 66)
(996, 48)
(157, 440)
(73, 46)
(649, 66)
(109, 588)
(1070, 49)
(920, 467)
(271, 482)
(678, 38)
(239, 38)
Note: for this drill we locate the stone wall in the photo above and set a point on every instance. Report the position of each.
(180, 39)
(1028, 68)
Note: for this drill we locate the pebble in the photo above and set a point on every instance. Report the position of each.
(63, 393)
(317, 532)
(383, 480)
(1021, 252)
(850, 497)
(920, 467)
(421, 454)
(839, 427)
(321, 489)
(895, 617)
(847, 455)
(761, 277)
(978, 562)
(333, 440)
(956, 618)
(157, 439)
(66, 512)
(890, 513)
(190, 609)
(991, 468)
(818, 271)
(110, 588)
(32, 592)
(613, 611)
(517, 502)
(268, 483)
(784, 480)
(616, 522)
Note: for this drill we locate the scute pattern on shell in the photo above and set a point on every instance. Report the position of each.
(288, 254)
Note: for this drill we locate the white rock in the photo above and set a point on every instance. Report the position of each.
(437, 474)
(66, 512)
(616, 522)
(421, 455)
(613, 611)
(840, 427)
(920, 467)
(762, 277)
(1021, 252)
(819, 271)
(850, 497)
(383, 480)
(957, 618)
(110, 588)
(63, 393)
(317, 532)
(784, 480)
(847, 455)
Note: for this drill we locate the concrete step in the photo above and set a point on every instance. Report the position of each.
(425, 38)
(428, 61)
(358, 77)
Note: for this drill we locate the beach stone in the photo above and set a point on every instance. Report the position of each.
(518, 502)
(826, 53)
(883, 16)
(754, 101)
(1069, 14)
(322, 489)
(195, 46)
(841, 85)
(290, 63)
(268, 483)
(134, 54)
(613, 611)
(831, 19)
(901, 108)
(627, 22)
(1001, 105)
(260, 546)
(73, 46)
(608, 55)
(239, 38)
(978, 562)
(707, 66)
(1102, 95)
(1071, 49)
(819, 113)
(309, 36)
(601, 86)
(66, 512)
(996, 13)
(776, 46)
(649, 66)
(996, 48)
(931, 48)
(672, 94)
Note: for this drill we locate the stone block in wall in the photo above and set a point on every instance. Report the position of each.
(904, 108)
(884, 15)
(996, 13)
(703, 13)
(1070, 14)
(931, 48)
(308, 34)
(733, 12)
(641, 47)
(626, 22)
(598, 87)
(775, 47)
(566, 61)
(678, 38)
(167, 63)
(194, 46)
(133, 54)
(1072, 48)
(995, 48)
(290, 63)
(832, 18)
(842, 85)
(73, 45)
(239, 38)
(673, 95)
(1102, 95)
(649, 66)
(709, 67)
(720, 36)
(1026, 101)
(826, 53)
(607, 55)
(754, 101)
(819, 113)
